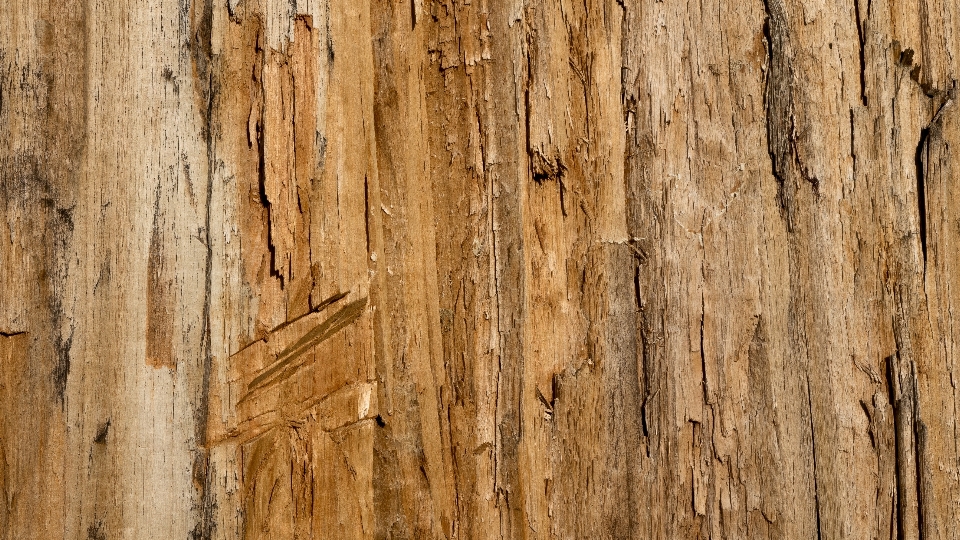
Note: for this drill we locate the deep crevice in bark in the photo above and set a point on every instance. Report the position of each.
(853, 145)
(919, 160)
(903, 399)
(919, 444)
(778, 105)
(813, 453)
(703, 356)
(265, 201)
(367, 216)
(644, 373)
(862, 44)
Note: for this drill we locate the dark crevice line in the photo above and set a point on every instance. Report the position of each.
(366, 206)
(919, 444)
(919, 447)
(813, 446)
(638, 298)
(897, 443)
(703, 356)
(862, 43)
(644, 352)
(778, 106)
(563, 204)
(324, 303)
(853, 145)
(262, 171)
(905, 415)
(285, 360)
(920, 159)
(526, 104)
(320, 307)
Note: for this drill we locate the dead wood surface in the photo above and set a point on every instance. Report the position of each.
(478, 269)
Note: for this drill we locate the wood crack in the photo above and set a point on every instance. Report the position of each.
(921, 159)
(286, 363)
(861, 46)
(778, 102)
(908, 469)
(813, 448)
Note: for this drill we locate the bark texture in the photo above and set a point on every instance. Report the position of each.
(479, 269)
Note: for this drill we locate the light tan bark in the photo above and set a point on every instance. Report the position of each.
(476, 269)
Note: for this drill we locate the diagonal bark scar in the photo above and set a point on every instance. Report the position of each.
(287, 362)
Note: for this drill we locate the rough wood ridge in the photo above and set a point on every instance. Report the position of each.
(477, 269)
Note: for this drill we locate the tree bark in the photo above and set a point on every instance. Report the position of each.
(473, 269)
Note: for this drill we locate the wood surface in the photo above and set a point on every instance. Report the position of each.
(479, 269)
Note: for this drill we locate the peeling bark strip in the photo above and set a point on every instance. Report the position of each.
(613, 269)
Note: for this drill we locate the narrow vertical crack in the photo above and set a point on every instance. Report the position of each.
(644, 375)
(366, 207)
(853, 145)
(919, 450)
(703, 356)
(530, 51)
(908, 469)
(862, 44)
(920, 159)
(813, 447)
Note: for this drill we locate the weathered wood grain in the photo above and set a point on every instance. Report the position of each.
(475, 269)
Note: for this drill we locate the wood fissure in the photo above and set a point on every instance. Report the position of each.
(284, 365)
(778, 97)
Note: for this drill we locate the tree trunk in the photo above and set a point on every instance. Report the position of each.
(475, 269)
